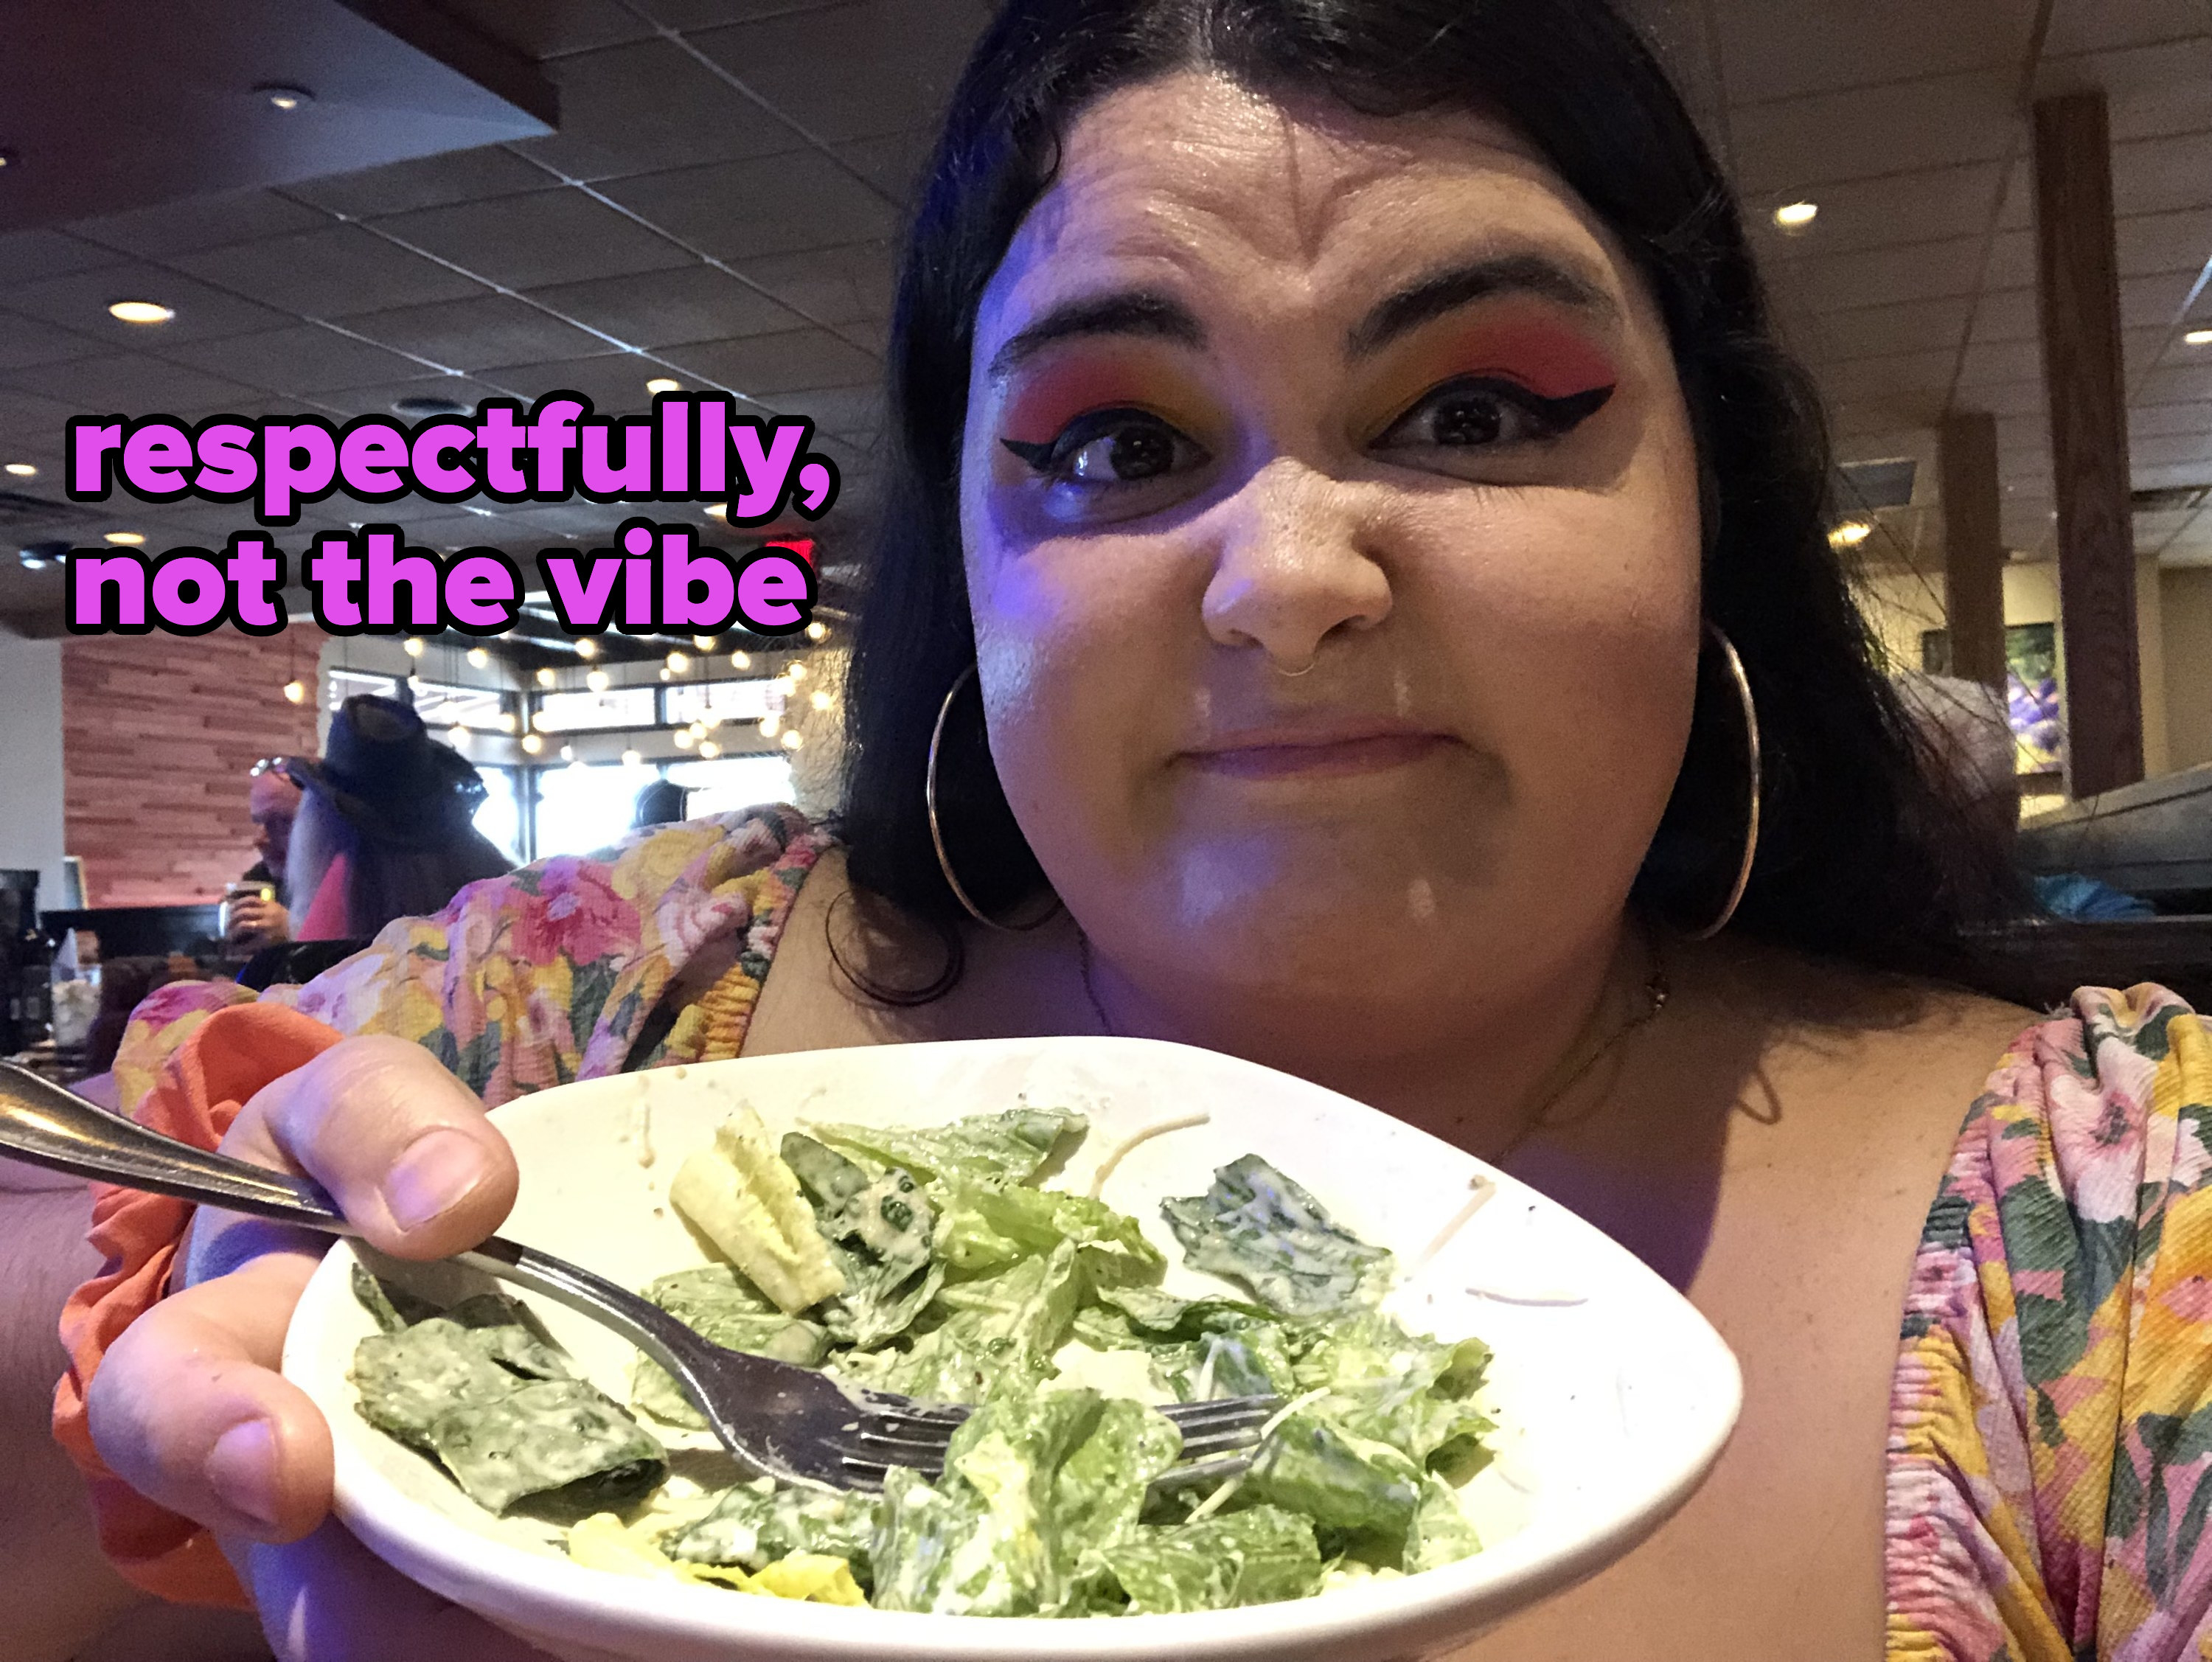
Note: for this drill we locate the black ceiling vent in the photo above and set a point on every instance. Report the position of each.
(421, 406)
(17, 508)
(1876, 483)
(2169, 498)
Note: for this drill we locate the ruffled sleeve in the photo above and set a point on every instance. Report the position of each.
(2049, 1459)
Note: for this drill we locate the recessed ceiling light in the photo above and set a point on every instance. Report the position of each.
(126, 539)
(140, 311)
(1849, 534)
(719, 511)
(662, 384)
(286, 98)
(1796, 216)
(23, 470)
(8, 158)
(2194, 337)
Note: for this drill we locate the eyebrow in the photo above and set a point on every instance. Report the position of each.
(1446, 291)
(1135, 311)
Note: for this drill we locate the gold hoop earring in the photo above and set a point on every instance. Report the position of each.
(936, 831)
(1742, 683)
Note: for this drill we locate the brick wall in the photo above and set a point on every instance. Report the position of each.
(158, 731)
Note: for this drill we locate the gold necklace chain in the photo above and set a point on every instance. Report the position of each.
(1656, 992)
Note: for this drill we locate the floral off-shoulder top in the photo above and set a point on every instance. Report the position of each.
(2050, 1456)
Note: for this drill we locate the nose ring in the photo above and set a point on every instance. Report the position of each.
(1293, 674)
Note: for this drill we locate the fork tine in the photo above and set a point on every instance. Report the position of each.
(1219, 1442)
(1229, 1411)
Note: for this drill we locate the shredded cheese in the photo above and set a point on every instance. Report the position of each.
(1483, 1190)
(1115, 1156)
(1215, 1501)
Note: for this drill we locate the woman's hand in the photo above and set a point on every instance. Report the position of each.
(188, 1407)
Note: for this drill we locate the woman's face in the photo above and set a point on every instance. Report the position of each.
(1330, 518)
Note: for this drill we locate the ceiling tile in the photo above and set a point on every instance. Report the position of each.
(528, 241)
(329, 273)
(2104, 26)
(1927, 270)
(206, 222)
(766, 365)
(739, 211)
(614, 382)
(2156, 89)
(851, 284)
(1996, 363)
(853, 413)
(133, 383)
(2152, 302)
(1904, 127)
(2018, 398)
(431, 182)
(666, 308)
(1772, 52)
(1866, 332)
(689, 14)
(2167, 420)
(378, 400)
(80, 301)
(470, 335)
(2006, 315)
(1864, 379)
(27, 256)
(2179, 385)
(305, 358)
(2152, 243)
(2158, 175)
(24, 340)
(894, 163)
(2181, 448)
(1872, 213)
(548, 28)
(896, 61)
(640, 108)
(2159, 476)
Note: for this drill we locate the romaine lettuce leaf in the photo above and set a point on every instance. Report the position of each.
(984, 1540)
(1006, 1328)
(741, 1196)
(720, 1305)
(755, 1523)
(558, 1443)
(1254, 1556)
(1257, 1227)
(1346, 1483)
(880, 1232)
(986, 1228)
(1009, 1148)
(1392, 1386)
(1441, 1532)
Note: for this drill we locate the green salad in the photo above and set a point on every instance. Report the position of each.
(929, 1262)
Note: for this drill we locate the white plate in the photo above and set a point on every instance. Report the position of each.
(1614, 1395)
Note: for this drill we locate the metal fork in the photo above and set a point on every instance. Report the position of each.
(788, 1421)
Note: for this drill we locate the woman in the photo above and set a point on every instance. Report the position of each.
(385, 829)
(1337, 432)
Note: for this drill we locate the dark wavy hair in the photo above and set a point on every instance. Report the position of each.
(1862, 855)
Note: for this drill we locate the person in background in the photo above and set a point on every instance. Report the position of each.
(273, 799)
(384, 830)
(660, 803)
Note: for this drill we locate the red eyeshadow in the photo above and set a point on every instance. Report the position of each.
(1548, 358)
(1090, 382)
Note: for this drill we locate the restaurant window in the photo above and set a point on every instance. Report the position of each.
(478, 709)
(499, 817)
(585, 806)
(731, 783)
(575, 712)
(724, 701)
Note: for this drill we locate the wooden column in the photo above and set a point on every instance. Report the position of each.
(1973, 547)
(2088, 394)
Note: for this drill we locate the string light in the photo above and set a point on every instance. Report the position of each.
(412, 646)
(704, 643)
(537, 720)
(296, 691)
(546, 677)
(769, 727)
(821, 700)
(506, 720)
(567, 752)
(665, 676)
(531, 744)
(598, 680)
(478, 658)
(677, 663)
(633, 759)
(684, 739)
(587, 647)
(792, 741)
(459, 735)
(710, 749)
(817, 630)
(741, 660)
(797, 672)
(1849, 534)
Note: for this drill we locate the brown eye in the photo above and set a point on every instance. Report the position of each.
(1482, 413)
(1109, 448)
